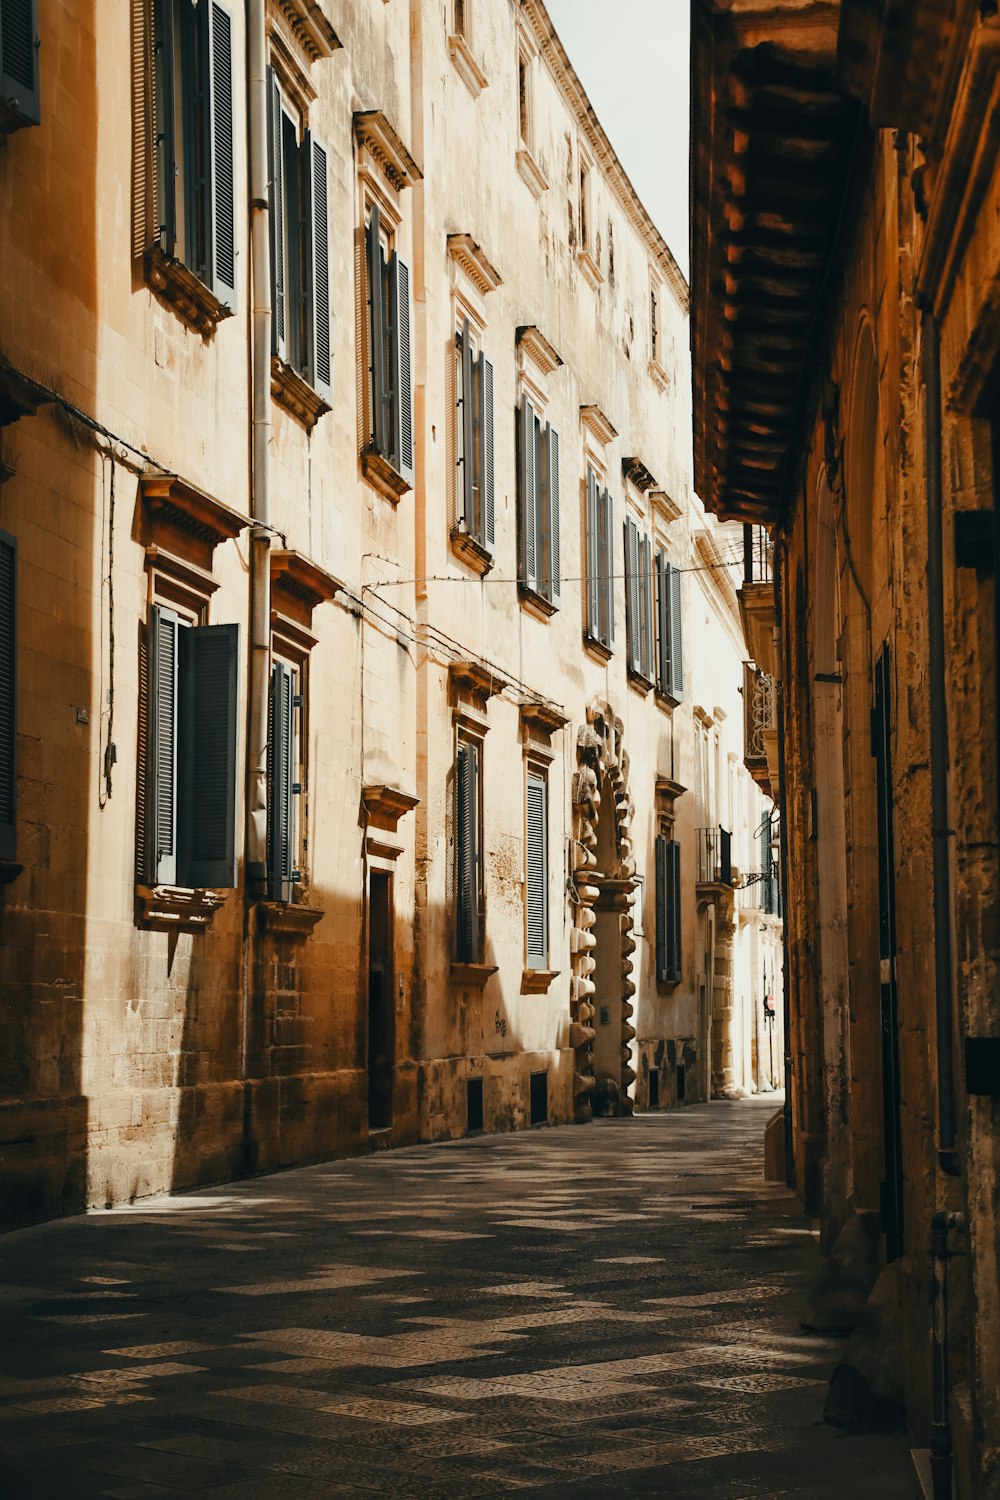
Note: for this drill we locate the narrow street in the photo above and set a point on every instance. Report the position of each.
(577, 1312)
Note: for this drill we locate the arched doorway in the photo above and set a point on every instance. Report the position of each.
(602, 988)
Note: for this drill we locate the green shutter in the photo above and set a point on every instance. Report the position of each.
(632, 625)
(467, 853)
(466, 425)
(375, 277)
(19, 84)
(609, 570)
(486, 442)
(318, 295)
(276, 159)
(527, 527)
(222, 196)
(281, 772)
(662, 912)
(403, 374)
(662, 624)
(209, 669)
(594, 549)
(166, 165)
(537, 872)
(160, 841)
(8, 696)
(676, 688)
(674, 898)
(646, 602)
(550, 508)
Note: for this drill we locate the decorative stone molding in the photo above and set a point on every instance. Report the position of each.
(186, 293)
(474, 553)
(292, 391)
(636, 473)
(531, 173)
(533, 344)
(598, 424)
(667, 791)
(297, 586)
(658, 375)
(591, 270)
(171, 908)
(308, 26)
(183, 522)
(383, 477)
(468, 256)
(385, 805)
(467, 65)
(289, 918)
(600, 756)
(378, 137)
(20, 396)
(473, 976)
(664, 508)
(473, 684)
(537, 981)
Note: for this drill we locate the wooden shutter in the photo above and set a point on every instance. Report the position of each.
(594, 534)
(209, 668)
(527, 521)
(276, 160)
(164, 232)
(646, 600)
(632, 617)
(162, 745)
(662, 624)
(486, 492)
(378, 413)
(222, 197)
(550, 513)
(403, 375)
(674, 896)
(609, 570)
(466, 425)
(144, 219)
(662, 911)
(8, 696)
(537, 872)
(676, 688)
(281, 771)
(19, 84)
(467, 852)
(320, 367)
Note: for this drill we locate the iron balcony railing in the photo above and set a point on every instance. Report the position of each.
(757, 550)
(715, 856)
(758, 713)
(761, 891)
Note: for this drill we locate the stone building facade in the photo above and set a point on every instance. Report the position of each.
(845, 337)
(360, 624)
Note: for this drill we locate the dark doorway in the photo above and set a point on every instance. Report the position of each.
(539, 1098)
(474, 1105)
(381, 1031)
(654, 1089)
(892, 1186)
(680, 1083)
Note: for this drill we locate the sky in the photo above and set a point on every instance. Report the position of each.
(632, 59)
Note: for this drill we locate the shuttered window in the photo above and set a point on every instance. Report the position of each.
(468, 871)
(600, 562)
(188, 835)
(476, 508)
(537, 871)
(20, 102)
(638, 601)
(8, 696)
(669, 628)
(539, 537)
(668, 911)
(195, 218)
(283, 788)
(390, 374)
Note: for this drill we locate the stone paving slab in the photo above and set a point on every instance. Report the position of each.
(585, 1312)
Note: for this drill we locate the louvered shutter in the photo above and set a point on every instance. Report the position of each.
(403, 375)
(467, 852)
(466, 425)
(162, 746)
(276, 160)
(609, 570)
(662, 624)
(486, 488)
(646, 598)
(19, 84)
(553, 588)
(281, 770)
(527, 522)
(537, 872)
(676, 634)
(377, 396)
(595, 548)
(317, 174)
(632, 626)
(674, 929)
(144, 127)
(222, 197)
(165, 230)
(662, 911)
(209, 666)
(8, 696)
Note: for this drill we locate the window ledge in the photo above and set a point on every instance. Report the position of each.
(292, 391)
(172, 908)
(473, 975)
(667, 986)
(475, 553)
(288, 917)
(186, 293)
(531, 172)
(641, 684)
(535, 603)
(658, 375)
(468, 68)
(591, 270)
(9, 871)
(537, 981)
(382, 476)
(597, 648)
(667, 701)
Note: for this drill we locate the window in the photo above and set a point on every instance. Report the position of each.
(668, 910)
(670, 651)
(390, 396)
(475, 513)
(538, 505)
(584, 208)
(600, 563)
(468, 852)
(523, 101)
(462, 8)
(284, 784)
(8, 697)
(537, 871)
(654, 331)
(19, 89)
(638, 601)
(195, 174)
(639, 906)
(187, 815)
(300, 245)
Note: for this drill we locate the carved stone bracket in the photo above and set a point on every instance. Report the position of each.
(288, 917)
(170, 908)
(177, 286)
(292, 391)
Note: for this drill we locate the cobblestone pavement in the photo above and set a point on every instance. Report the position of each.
(606, 1311)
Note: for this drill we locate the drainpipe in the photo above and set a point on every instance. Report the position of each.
(260, 509)
(947, 1154)
(786, 988)
(941, 1453)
